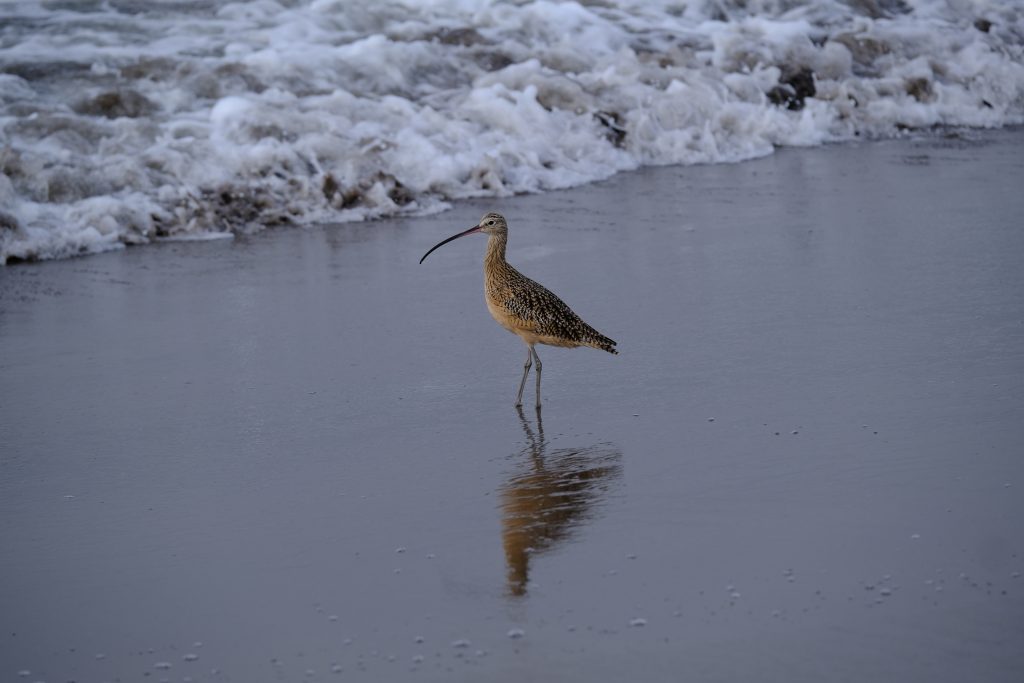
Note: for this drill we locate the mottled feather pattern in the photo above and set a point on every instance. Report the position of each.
(534, 307)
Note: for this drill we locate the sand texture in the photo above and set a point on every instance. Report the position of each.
(294, 456)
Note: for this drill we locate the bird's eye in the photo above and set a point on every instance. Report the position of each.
(490, 222)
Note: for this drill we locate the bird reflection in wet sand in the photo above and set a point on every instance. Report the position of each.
(555, 494)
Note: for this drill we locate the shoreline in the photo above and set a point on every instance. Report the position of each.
(295, 452)
(910, 135)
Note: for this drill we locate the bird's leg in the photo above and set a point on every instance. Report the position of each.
(537, 358)
(526, 370)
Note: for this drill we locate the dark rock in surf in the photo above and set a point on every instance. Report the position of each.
(795, 86)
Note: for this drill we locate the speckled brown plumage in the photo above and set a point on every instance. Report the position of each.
(525, 307)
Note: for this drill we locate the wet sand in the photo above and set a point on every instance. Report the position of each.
(294, 456)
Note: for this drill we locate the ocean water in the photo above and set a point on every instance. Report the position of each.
(128, 121)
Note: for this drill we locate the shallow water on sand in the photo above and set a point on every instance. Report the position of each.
(295, 455)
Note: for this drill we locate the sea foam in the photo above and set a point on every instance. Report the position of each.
(125, 122)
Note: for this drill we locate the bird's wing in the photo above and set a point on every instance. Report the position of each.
(544, 313)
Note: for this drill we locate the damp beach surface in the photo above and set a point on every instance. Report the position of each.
(294, 456)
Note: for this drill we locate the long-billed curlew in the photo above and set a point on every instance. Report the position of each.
(525, 307)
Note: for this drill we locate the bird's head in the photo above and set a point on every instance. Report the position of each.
(490, 224)
(493, 224)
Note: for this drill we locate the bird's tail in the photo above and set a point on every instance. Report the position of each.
(604, 343)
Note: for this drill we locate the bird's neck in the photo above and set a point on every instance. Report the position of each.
(495, 255)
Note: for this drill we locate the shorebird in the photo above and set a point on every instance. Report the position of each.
(524, 307)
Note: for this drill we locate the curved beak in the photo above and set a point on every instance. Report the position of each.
(475, 228)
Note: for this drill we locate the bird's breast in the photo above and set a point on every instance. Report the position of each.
(501, 301)
(500, 312)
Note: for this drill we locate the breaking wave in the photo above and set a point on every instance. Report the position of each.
(126, 121)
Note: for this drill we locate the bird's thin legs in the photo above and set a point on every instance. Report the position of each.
(537, 358)
(526, 370)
